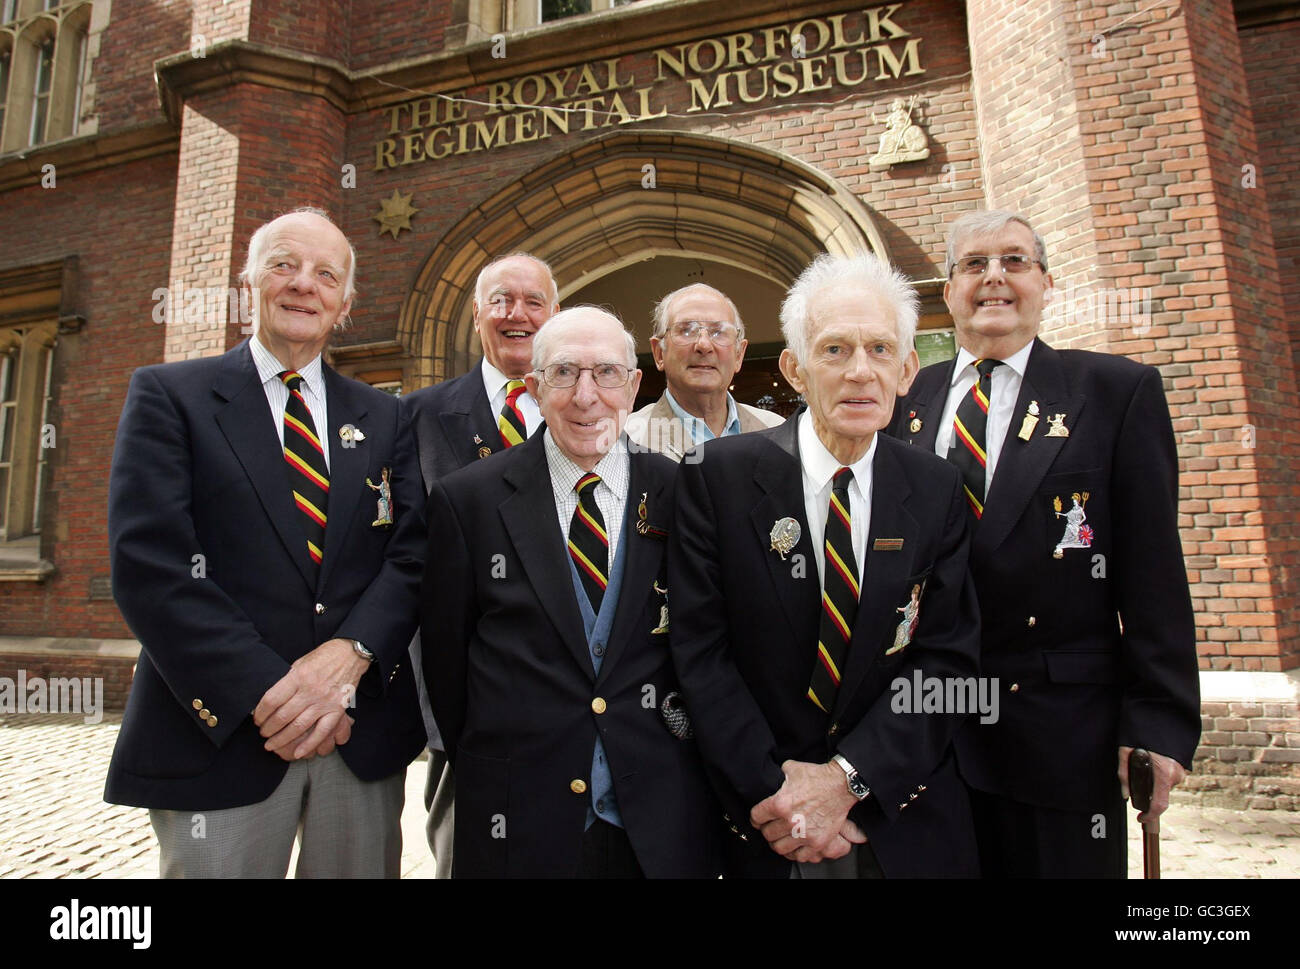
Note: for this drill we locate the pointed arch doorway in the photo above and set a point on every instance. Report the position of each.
(627, 217)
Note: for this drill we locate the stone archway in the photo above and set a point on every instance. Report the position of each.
(588, 212)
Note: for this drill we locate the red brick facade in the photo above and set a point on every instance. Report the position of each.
(1152, 146)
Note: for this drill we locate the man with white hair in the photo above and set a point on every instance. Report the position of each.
(471, 417)
(273, 696)
(699, 344)
(544, 631)
(813, 568)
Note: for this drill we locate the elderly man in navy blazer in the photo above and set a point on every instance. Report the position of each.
(266, 540)
(817, 571)
(464, 420)
(1071, 477)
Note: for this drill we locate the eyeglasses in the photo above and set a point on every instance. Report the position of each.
(720, 334)
(1011, 262)
(607, 375)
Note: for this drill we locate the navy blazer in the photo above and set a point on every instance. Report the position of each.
(452, 423)
(513, 688)
(1096, 648)
(744, 640)
(211, 573)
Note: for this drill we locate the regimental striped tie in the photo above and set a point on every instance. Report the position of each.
(309, 478)
(839, 596)
(969, 429)
(511, 421)
(589, 542)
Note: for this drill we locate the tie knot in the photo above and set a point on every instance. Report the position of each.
(291, 379)
(588, 480)
(985, 367)
(840, 482)
(513, 389)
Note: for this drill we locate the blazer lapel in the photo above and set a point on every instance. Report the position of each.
(925, 404)
(468, 421)
(645, 555)
(1023, 464)
(780, 477)
(667, 430)
(886, 571)
(348, 467)
(530, 522)
(249, 428)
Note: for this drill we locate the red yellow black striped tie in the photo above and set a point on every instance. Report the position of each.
(969, 429)
(309, 478)
(839, 596)
(511, 420)
(588, 541)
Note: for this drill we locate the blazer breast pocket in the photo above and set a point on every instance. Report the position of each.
(908, 611)
(1070, 504)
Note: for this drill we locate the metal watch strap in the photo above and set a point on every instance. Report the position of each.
(361, 651)
(857, 787)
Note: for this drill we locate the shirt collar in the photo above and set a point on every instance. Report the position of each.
(611, 468)
(494, 381)
(694, 423)
(819, 465)
(268, 368)
(1017, 362)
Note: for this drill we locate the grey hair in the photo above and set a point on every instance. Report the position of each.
(862, 270)
(253, 265)
(984, 223)
(547, 335)
(480, 287)
(663, 307)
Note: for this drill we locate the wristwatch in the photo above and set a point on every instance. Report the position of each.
(857, 786)
(361, 651)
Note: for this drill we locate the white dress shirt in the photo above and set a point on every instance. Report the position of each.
(1004, 388)
(819, 467)
(494, 382)
(611, 492)
(312, 389)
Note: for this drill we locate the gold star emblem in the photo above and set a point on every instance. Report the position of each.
(395, 213)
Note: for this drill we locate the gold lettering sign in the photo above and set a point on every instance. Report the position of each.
(844, 50)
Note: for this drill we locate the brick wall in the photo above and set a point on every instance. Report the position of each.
(116, 672)
(1249, 756)
(139, 32)
(390, 30)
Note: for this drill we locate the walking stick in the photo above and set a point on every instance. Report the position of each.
(1141, 784)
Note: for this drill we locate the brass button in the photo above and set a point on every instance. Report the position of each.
(1015, 687)
(320, 608)
(1031, 622)
(920, 787)
(834, 729)
(598, 705)
(578, 786)
(911, 797)
(212, 721)
(205, 713)
(197, 704)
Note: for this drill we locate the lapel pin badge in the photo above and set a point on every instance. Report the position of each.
(663, 611)
(484, 451)
(1078, 533)
(384, 501)
(887, 545)
(1057, 428)
(785, 536)
(643, 526)
(1030, 422)
(350, 435)
(906, 627)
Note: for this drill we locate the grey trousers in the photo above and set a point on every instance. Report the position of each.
(346, 828)
(440, 801)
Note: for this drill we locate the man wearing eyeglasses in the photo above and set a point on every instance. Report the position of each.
(462, 421)
(1071, 478)
(699, 344)
(545, 637)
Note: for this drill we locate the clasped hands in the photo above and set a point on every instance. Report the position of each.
(304, 714)
(808, 818)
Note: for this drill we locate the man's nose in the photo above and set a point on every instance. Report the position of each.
(518, 311)
(304, 279)
(584, 391)
(860, 365)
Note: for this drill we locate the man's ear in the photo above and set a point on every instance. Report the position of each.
(790, 370)
(657, 351)
(740, 355)
(531, 385)
(911, 367)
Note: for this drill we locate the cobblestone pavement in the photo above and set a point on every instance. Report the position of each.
(54, 824)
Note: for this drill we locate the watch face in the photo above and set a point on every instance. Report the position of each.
(859, 789)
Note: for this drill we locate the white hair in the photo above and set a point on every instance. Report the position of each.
(548, 334)
(664, 307)
(985, 223)
(863, 271)
(253, 265)
(480, 285)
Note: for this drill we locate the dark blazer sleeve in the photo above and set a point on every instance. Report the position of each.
(893, 750)
(201, 642)
(384, 618)
(447, 618)
(733, 733)
(1160, 702)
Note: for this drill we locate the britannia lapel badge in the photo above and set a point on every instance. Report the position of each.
(384, 502)
(1078, 533)
(1030, 422)
(1057, 426)
(785, 536)
(906, 627)
(350, 435)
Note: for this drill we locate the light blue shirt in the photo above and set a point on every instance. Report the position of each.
(697, 428)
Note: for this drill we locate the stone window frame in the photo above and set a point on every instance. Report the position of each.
(477, 20)
(68, 27)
